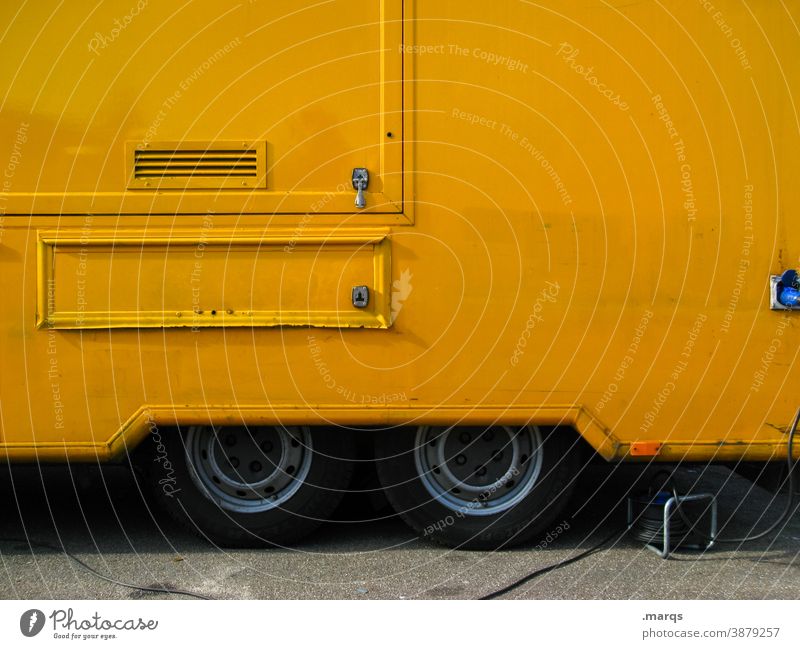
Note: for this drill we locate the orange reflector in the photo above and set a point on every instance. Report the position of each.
(645, 448)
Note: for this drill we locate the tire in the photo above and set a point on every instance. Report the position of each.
(248, 487)
(477, 487)
(364, 500)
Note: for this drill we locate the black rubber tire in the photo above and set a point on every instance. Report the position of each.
(313, 504)
(532, 516)
(365, 500)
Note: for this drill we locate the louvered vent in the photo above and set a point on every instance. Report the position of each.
(191, 165)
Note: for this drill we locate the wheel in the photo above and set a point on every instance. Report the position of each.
(251, 486)
(478, 487)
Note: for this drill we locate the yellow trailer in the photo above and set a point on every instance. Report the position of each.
(234, 232)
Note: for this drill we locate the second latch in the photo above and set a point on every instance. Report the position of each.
(360, 183)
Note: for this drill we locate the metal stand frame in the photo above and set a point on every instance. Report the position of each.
(669, 506)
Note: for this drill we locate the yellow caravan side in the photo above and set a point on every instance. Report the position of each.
(572, 216)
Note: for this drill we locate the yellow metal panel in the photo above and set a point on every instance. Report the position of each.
(601, 191)
(320, 83)
(219, 280)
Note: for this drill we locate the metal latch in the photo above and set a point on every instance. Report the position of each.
(360, 183)
(360, 296)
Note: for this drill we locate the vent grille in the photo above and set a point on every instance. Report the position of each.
(193, 166)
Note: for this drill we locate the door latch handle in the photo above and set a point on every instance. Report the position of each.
(360, 183)
(360, 296)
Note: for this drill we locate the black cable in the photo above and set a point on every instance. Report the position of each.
(790, 465)
(541, 571)
(650, 530)
(88, 568)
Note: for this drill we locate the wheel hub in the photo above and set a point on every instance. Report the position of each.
(479, 471)
(249, 469)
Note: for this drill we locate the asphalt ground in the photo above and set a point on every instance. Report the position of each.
(101, 518)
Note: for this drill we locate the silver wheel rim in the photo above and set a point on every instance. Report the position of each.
(478, 471)
(249, 469)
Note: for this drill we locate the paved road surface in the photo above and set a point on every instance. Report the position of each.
(102, 519)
